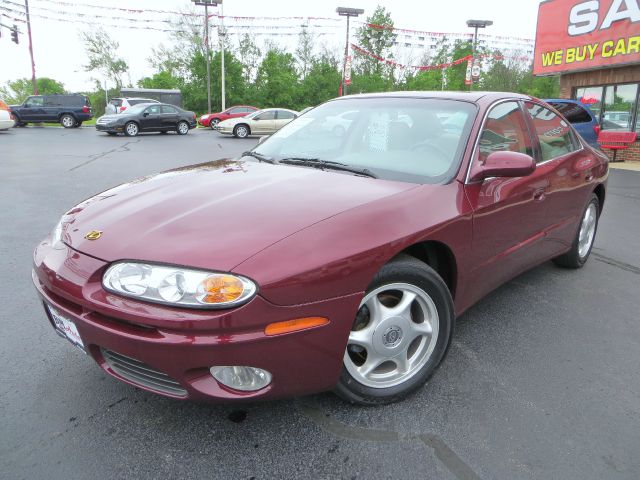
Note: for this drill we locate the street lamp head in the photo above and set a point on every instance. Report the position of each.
(479, 23)
(208, 3)
(349, 12)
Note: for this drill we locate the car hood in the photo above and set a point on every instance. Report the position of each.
(231, 122)
(214, 215)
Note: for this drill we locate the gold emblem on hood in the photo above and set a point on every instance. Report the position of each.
(93, 235)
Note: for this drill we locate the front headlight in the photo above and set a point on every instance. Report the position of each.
(177, 286)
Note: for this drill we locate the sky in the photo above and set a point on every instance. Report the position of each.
(59, 52)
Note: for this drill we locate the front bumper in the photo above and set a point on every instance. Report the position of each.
(183, 344)
(109, 127)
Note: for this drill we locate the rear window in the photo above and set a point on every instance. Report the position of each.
(572, 112)
(116, 102)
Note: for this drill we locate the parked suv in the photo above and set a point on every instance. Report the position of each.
(580, 116)
(70, 110)
(117, 105)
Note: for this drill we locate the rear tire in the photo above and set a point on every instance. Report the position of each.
(68, 121)
(400, 334)
(585, 237)
(182, 128)
(213, 123)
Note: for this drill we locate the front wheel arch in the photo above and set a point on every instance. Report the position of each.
(235, 130)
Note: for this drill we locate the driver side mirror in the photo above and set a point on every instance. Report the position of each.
(262, 139)
(503, 164)
(145, 114)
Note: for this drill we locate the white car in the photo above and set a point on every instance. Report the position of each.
(117, 105)
(6, 119)
(262, 122)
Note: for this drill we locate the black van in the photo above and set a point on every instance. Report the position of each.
(70, 110)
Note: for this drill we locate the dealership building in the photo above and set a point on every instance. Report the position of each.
(595, 47)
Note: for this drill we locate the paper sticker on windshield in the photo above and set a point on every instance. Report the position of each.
(378, 132)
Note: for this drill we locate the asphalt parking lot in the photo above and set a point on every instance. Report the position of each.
(542, 380)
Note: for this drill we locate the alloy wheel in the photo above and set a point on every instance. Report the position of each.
(587, 230)
(393, 337)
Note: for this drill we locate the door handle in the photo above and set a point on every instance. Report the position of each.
(539, 195)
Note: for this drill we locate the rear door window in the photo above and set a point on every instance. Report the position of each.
(554, 133)
(168, 109)
(285, 115)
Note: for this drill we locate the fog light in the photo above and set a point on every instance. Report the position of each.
(246, 379)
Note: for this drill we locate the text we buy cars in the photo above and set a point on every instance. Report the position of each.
(579, 35)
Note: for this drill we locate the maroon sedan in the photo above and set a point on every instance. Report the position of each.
(213, 119)
(324, 259)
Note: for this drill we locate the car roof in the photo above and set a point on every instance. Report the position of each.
(448, 95)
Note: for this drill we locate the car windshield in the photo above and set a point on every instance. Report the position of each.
(253, 114)
(418, 140)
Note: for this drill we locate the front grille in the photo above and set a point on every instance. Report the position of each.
(142, 374)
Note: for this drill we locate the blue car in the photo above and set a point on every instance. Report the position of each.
(580, 116)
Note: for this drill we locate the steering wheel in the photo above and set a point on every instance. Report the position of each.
(428, 146)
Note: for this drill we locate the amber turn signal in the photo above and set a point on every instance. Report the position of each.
(288, 326)
(221, 288)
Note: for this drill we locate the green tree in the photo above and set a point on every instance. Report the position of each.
(320, 84)
(541, 87)
(249, 56)
(304, 52)
(455, 75)
(102, 55)
(277, 80)
(194, 89)
(16, 91)
(377, 39)
(429, 79)
(162, 79)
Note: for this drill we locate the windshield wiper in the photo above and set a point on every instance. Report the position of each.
(259, 156)
(327, 164)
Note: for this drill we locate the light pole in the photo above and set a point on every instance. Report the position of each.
(222, 35)
(347, 12)
(207, 4)
(33, 63)
(476, 24)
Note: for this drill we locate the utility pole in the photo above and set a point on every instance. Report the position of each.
(476, 24)
(33, 63)
(221, 33)
(347, 12)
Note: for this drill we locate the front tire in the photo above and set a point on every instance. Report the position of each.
(241, 131)
(400, 335)
(584, 239)
(131, 129)
(182, 128)
(67, 121)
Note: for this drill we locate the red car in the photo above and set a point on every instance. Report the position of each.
(322, 261)
(212, 119)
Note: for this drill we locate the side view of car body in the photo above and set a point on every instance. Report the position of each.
(70, 110)
(322, 261)
(118, 105)
(261, 122)
(212, 119)
(148, 117)
(6, 117)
